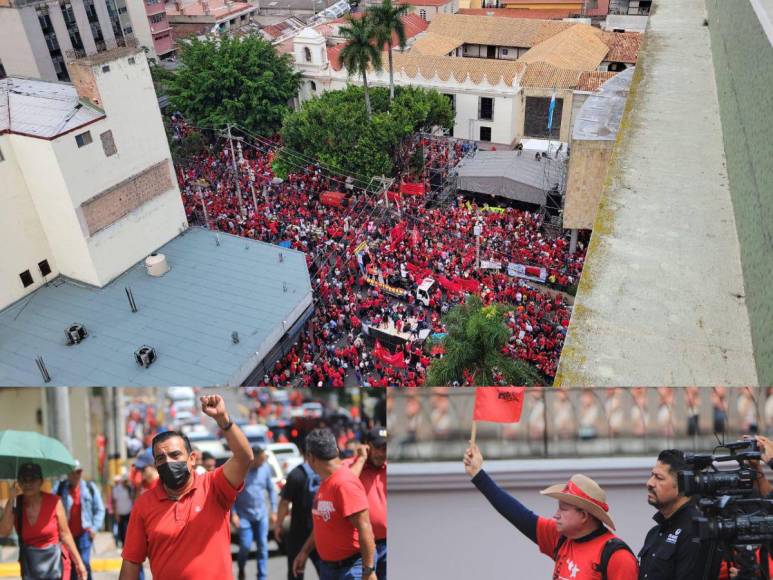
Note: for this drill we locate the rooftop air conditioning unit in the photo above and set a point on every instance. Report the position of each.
(75, 333)
(156, 264)
(145, 356)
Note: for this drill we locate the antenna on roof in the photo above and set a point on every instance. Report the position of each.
(42, 368)
(284, 286)
(130, 296)
(235, 337)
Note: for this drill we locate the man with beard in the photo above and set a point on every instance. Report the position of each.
(671, 550)
(181, 525)
(370, 466)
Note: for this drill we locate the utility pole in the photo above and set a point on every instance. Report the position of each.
(236, 174)
(478, 229)
(199, 184)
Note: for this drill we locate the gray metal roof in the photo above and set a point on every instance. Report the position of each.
(42, 108)
(187, 315)
(600, 115)
(508, 174)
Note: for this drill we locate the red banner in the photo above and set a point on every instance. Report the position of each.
(412, 188)
(449, 285)
(332, 198)
(498, 404)
(397, 234)
(468, 285)
(395, 360)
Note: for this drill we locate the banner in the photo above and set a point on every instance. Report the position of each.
(529, 272)
(394, 291)
(395, 360)
(498, 404)
(412, 188)
(490, 265)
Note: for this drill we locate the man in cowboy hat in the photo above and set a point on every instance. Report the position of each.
(577, 538)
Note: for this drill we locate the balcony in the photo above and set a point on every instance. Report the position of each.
(163, 45)
(160, 27)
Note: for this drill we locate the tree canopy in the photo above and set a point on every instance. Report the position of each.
(233, 80)
(335, 128)
(473, 345)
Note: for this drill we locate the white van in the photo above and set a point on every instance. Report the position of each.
(424, 290)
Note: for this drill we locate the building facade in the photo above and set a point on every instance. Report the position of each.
(89, 181)
(36, 36)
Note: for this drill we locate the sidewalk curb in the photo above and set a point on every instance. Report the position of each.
(11, 569)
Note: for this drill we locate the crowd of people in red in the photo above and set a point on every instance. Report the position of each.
(397, 244)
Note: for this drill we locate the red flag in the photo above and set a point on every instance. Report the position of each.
(498, 404)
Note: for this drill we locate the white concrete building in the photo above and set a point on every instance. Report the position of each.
(88, 182)
(499, 96)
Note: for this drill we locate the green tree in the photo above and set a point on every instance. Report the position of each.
(476, 335)
(360, 53)
(335, 128)
(387, 20)
(233, 80)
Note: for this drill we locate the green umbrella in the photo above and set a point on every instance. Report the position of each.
(18, 447)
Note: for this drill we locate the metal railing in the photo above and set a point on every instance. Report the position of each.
(433, 424)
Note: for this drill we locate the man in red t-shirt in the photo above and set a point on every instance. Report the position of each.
(576, 538)
(342, 533)
(181, 524)
(371, 467)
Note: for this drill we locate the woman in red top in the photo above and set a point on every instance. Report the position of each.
(44, 522)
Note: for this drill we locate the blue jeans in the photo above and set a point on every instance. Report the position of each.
(84, 543)
(381, 560)
(257, 531)
(351, 572)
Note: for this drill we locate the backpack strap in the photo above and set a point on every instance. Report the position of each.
(561, 541)
(612, 545)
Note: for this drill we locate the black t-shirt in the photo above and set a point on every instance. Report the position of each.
(671, 550)
(296, 491)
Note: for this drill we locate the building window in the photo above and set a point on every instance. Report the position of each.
(485, 133)
(504, 51)
(26, 278)
(313, 86)
(44, 268)
(83, 139)
(108, 143)
(307, 53)
(486, 109)
(423, 14)
(131, 60)
(1, 155)
(106, 68)
(536, 117)
(451, 100)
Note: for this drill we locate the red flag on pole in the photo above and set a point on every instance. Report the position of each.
(498, 404)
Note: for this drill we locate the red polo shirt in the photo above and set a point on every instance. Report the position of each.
(339, 496)
(374, 480)
(186, 539)
(76, 519)
(577, 559)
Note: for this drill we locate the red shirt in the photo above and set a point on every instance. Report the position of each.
(577, 559)
(374, 480)
(186, 539)
(45, 531)
(76, 521)
(339, 496)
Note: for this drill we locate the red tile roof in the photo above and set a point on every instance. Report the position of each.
(333, 53)
(516, 13)
(592, 80)
(425, 2)
(623, 46)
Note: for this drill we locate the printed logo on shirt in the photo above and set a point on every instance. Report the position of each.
(574, 569)
(198, 508)
(673, 538)
(324, 510)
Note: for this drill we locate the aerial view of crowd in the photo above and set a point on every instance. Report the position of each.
(368, 251)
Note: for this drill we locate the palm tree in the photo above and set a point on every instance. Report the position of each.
(476, 335)
(360, 53)
(387, 20)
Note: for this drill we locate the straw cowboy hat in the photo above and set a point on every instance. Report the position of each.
(582, 492)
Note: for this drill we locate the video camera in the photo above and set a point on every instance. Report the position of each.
(734, 519)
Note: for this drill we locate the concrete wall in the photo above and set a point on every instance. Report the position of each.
(587, 170)
(19, 222)
(440, 525)
(743, 67)
(23, 49)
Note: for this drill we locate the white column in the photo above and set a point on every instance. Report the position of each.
(573, 242)
(57, 20)
(84, 27)
(105, 24)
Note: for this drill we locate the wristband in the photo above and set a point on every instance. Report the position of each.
(227, 426)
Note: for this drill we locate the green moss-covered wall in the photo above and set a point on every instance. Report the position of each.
(743, 66)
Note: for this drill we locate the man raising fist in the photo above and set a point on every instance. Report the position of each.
(181, 525)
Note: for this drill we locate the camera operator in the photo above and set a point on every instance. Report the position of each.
(762, 485)
(671, 550)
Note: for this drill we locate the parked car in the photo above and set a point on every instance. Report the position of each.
(205, 441)
(288, 455)
(256, 434)
(181, 393)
